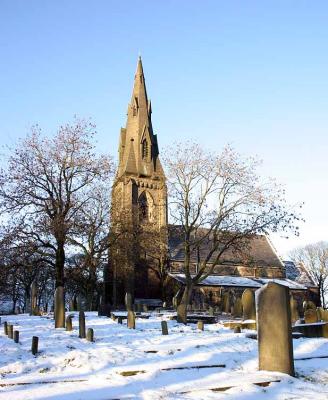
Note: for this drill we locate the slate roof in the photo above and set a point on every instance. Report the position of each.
(260, 251)
(237, 281)
(298, 273)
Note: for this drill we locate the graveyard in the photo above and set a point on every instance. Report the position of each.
(155, 357)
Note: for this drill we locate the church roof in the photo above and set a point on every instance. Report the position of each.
(298, 273)
(260, 251)
(238, 281)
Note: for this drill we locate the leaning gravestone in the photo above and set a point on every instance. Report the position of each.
(274, 329)
(248, 303)
(238, 308)
(128, 301)
(294, 310)
(131, 320)
(59, 307)
(310, 316)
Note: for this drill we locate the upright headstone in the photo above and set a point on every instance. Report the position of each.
(69, 325)
(164, 328)
(237, 329)
(131, 320)
(35, 345)
(16, 336)
(5, 328)
(238, 308)
(200, 325)
(274, 329)
(34, 299)
(320, 313)
(90, 335)
(10, 331)
(294, 314)
(128, 301)
(226, 302)
(248, 303)
(59, 307)
(310, 316)
(211, 311)
(81, 325)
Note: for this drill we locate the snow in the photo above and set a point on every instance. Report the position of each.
(238, 281)
(71, 368)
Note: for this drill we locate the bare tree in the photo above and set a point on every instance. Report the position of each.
(46, 183)
(220, 203)
(314, 257)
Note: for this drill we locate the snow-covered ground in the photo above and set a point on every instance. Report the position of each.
(71, 368)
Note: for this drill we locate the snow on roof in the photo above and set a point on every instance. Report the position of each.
(298, 273)
(238, 281)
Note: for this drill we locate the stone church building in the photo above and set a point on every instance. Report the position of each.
(147, 253)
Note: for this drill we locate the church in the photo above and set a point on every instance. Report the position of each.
(146, 256)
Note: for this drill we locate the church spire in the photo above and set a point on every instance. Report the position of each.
(138, 136)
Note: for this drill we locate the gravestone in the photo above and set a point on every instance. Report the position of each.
(238, 308)
(320, 313)
(69, 325)
(324, 315)
(310, 316)
(10, 331)
(211, 311)
(237, 329)
(34, 299)
(308, 305)
(16, 336)
(81, 325)
(131, 320)
(128, 301)
(226, 302)
(200, 325)
(145, 308)
(164, 328)
(274, 329)
(5, 328)
(59, 307)
(35, 345)
(90, 335)
(294, 314)
(248, 303)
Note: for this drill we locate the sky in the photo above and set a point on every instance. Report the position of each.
(249, 73)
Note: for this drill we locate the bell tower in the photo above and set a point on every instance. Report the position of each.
(139, 202)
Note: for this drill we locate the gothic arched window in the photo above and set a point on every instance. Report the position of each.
(145, 206)
(144, 149)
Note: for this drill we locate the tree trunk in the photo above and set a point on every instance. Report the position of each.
(60, 262)
(185, 300)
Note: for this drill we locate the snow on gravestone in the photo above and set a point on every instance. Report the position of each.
(274, 331)
(248, 303)
(59, 307)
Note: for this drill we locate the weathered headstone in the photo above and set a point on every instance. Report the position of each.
(237, 329)
(81, 325)
(238, 308)
(131, 320)
(59, 307)
(211, 311)
(310, 316)
(34, 299)
(10, 331)
(5, 328)
(35, 345)
(16, 336)
(164, 328)
(248, 303)
(90, 336)
(324, 315)
(274, 329)
(294, 314)
(200, 325)
(226, 302)
(308, 304)
(128, 301)
(320, 313)
(69, 325)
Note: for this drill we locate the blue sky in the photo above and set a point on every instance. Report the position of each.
(249, 73)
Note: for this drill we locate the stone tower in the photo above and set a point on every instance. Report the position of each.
(139, 203)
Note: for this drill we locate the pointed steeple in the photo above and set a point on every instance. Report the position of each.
(139, 130)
